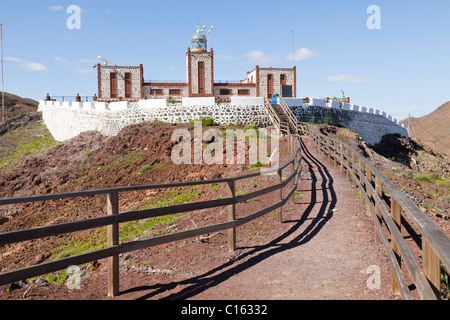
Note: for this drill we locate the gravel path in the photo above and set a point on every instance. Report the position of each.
(328, 252)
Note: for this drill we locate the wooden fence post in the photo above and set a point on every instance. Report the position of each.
(354, 168)
(292, 199)
(113, 240)
(379, 191)
(279, 196)
(397, 217)
(232, 217)
(334, 155)
(431, 267)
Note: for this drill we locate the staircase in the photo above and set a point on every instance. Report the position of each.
(282, 116)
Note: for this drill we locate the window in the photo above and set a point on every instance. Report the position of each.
(243, 92)
(156, 92)
(113, 84)
(201, 77)
(127, 85)
(269, 86)
(282, 79)
(175, 92)
(225, 92)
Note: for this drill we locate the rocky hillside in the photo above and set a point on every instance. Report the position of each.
(140, 154)
(432, 131)
(16, 106)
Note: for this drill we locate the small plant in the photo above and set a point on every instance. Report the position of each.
(250, 127)
(427, 177)
(327, 120)
(207, 122)
(171, 100)
(255, 166)
(445, 287)
(144, 169)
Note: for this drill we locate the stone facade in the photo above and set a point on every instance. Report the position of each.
(163, 90)
(194, 58)
(104, 81)
(276, 80)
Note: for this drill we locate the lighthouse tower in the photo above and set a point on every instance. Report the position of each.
(200, 67)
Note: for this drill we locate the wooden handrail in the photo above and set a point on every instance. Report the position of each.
(114, 218)
(289, 114)
(434, 241)
(276, 121)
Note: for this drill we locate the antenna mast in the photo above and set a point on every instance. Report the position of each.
(3, 89)
(292, 40)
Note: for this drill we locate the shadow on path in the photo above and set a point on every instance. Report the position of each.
(214, 277)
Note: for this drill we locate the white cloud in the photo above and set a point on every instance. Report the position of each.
(55, 8)
(172, 68)
(226, 57)
(84, 71)
(59, 59)
(346, 78)
(11, 59)
(33, 66)
(302, 54)
(90, 61)
(258, 56)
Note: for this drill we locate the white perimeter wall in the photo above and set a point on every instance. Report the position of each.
(66, 120)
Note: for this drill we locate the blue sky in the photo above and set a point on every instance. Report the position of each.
(402, 68)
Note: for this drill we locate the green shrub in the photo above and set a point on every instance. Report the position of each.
(427, 177)
(208, 122)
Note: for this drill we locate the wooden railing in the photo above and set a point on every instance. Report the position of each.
(388, 206)
(114, 218)
(292, 119)
(276, 121)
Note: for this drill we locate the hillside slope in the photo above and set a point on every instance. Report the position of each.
(16, 106)
(139, 155)
(432, 130)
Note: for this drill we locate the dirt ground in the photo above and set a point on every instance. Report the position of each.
(323, 250)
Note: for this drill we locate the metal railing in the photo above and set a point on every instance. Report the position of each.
(71, 98)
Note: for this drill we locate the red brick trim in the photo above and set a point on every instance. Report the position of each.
(201, 95)
(99, 80)
(165, 84)
(212, 72)
(233, 84)
(142, 80)
(257, 81)
(295, 82)
(188, 53)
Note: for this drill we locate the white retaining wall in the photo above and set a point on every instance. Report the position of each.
(66, 120)
(371, 124)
